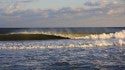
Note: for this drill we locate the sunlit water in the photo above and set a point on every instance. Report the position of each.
(62, 55)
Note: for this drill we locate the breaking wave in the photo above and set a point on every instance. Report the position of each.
(117, 35)
(116, 39)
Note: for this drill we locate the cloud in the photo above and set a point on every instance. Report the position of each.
(109, 13)
(12, 8)
(11, 5)
(26, 1)
(23, 1)
(101, 3)
(116, 11)
(107, 6)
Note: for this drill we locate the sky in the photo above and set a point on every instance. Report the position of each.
(61, 13)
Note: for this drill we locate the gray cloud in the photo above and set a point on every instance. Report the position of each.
(91, 3)
(11, 1)
(14, 4)
(26, 1)
(102, 3)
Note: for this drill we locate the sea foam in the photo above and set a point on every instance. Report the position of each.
(60, 44)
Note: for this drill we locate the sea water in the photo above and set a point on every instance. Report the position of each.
(93, 52)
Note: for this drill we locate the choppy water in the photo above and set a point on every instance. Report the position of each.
(61, 55)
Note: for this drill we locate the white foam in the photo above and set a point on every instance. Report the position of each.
(60, 44)
(116, 35)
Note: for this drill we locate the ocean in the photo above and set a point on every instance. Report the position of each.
(87, 48)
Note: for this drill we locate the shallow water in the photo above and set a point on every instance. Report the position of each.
(62, 55)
